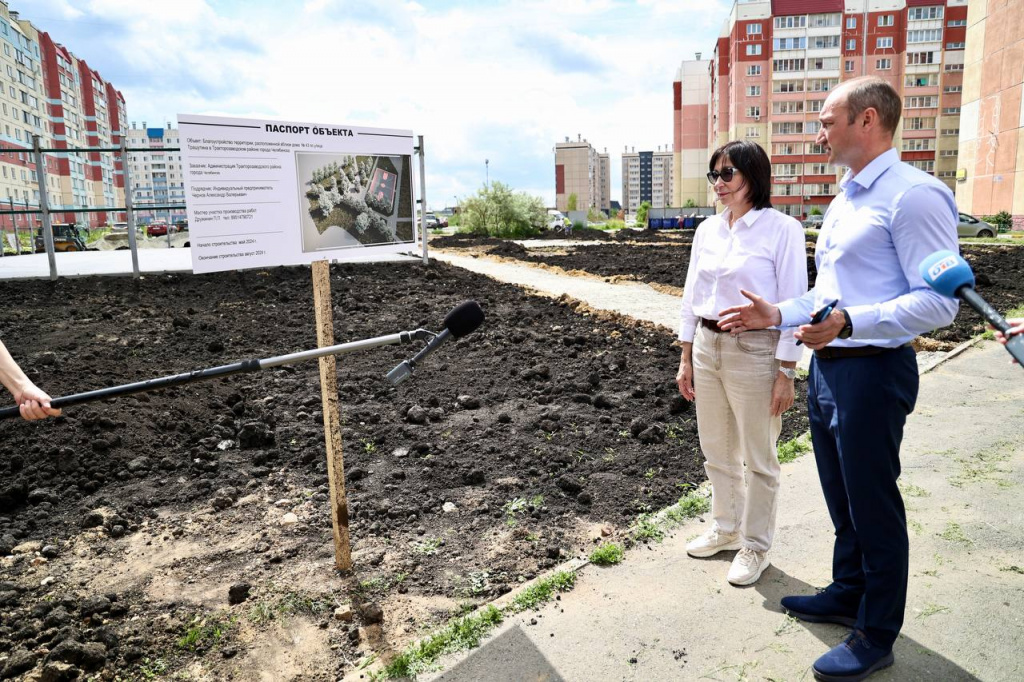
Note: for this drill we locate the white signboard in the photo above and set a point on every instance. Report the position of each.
(261, 193)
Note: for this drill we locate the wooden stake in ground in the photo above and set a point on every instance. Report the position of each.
(332, 414)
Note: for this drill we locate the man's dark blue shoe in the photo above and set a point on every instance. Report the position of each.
(852, 660)
(820, 608)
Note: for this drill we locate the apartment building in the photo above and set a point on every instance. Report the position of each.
(648, 176)
(990, 173)
(775, 63)
(156, 176)
(23, 114)
(84, 111)
(581, 170)
(690, 92)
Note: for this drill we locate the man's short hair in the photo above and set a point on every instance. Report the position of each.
(874, 92)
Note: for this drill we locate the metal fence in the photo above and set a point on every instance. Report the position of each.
(45, 211)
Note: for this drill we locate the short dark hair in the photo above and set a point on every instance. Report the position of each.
(874, 92)
(750, 159)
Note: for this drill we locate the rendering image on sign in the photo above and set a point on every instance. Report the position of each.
(353, 200)
(262, 193)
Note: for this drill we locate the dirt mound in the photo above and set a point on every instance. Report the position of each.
(188, 529)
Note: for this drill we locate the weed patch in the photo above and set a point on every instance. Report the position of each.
(607, 554)
(954, 533)
(204, 633)
(792, 449)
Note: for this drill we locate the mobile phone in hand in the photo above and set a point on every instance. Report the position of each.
(822, 313)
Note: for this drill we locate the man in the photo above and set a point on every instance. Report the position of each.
(887, 218)
(34, 403)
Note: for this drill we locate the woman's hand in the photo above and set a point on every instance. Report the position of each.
(783, 394)
(684, 377)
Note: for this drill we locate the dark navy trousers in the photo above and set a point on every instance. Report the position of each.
(857, 409)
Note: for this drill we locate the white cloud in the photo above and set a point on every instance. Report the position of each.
(503, 81)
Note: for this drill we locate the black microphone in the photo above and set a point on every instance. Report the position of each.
(462, 320)
(950, 275)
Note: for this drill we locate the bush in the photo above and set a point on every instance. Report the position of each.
(1002, 220)
(641, 213)
(497, 211)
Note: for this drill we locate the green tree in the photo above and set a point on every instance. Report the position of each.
(497, 211)
(1002, 220)
(814, 211)
(641, 212)
(572, 202)
(690, 203)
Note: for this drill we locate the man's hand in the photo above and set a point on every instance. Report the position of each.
(783, 394)
(1016, 327)
(817, 336)
(34, 403)
(684, 377)
(758, 314)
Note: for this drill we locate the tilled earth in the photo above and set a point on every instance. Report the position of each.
(186, 531)
(999, 271)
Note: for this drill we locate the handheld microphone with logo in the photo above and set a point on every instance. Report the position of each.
(950, 275)
(462, 320)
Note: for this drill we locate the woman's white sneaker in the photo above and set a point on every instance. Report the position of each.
(747, 566)
(713, 542)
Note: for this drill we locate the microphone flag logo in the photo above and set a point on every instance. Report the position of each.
(936, 270)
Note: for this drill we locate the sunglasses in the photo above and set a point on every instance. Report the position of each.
(726, 174)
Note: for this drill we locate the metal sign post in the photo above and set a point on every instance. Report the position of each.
(44, 206)
(129, 213)
(423, 198)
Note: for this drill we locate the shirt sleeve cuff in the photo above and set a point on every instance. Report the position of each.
(792, 315)
(787, 350)
(687, 331)
(862, 317)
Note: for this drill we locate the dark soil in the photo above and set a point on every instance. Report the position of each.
(999, 271)
(161, 541)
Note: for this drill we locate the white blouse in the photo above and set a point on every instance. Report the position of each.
(763, 252)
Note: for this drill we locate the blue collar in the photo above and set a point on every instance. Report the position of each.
(872, 171)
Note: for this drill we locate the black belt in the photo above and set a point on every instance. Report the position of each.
(712, 325)
(838, 352)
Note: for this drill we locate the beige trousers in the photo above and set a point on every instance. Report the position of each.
(733, 375)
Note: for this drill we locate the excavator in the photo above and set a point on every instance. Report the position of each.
(66, 237)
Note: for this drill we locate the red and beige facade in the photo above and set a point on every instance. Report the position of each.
(581, 170)
(690, 132)
(991, 157)
(50, 93)
(774, 64)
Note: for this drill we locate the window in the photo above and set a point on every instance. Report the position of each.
(791, 22)
(849, 65)
(948, 152)
(925, 13)
(951, 111)
(947, 174)
(822, 84)
(928, 102)
(823, 64)
(883, 43)
(919, 145)
(785, 169)
(926, 80)
(931, 35)
(953, 23)
(824, 20)
(754, 49)
(753, 91)
(788, 128)
(886, 20)
(953, 88)
(851, 45)
(787, 107)
(788, 86)
(883, 64)
(814, 105)
(818, 169)
(953, 67)
(824, 42)
(753, 132)
(798, 43)
(812, 127)
(786, 148)
(851, 22)
(753, 112)
(815, 148)
(922, 58)
(753, 29)
(955, 46)
(786, 190)
(927, 165)
(754, 70)
(779, 65)
(919, 123)
(821, 189)
(950, 132)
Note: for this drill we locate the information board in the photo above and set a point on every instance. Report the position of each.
(261, 193)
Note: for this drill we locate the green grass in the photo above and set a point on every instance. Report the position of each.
(291, 603)
(203, 633)
(466, 632)
(792, 449)
(646, 527)
(689, 506)
(428, 546)
(607, 554)
(931, 610)
(954, 533)
(989, 335)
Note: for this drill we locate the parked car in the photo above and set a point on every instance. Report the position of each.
(557, 220)
(157, 229)
(814, 221)
(432, 221)
(119, 227)
(970, 226)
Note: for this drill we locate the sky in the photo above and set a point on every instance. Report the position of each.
(501, 81)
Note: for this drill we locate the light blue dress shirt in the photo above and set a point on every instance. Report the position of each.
(882, 224)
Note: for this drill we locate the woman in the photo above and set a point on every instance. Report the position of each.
(34, 403)
(742, 383)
